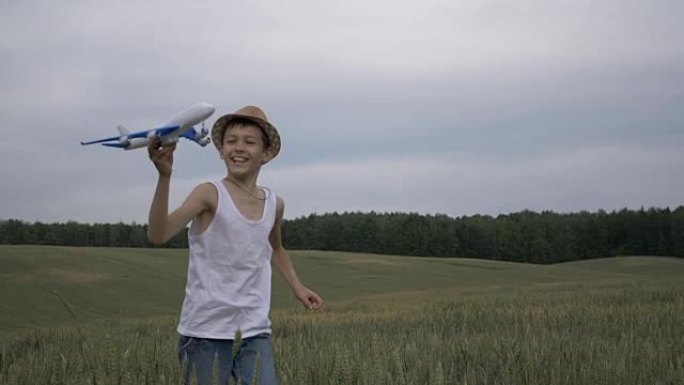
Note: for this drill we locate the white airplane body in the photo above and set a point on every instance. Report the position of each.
(179, 126)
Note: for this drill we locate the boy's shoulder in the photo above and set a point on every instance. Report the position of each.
(206, 188)
(204, 193)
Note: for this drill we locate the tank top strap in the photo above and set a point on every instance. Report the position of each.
(271, 205)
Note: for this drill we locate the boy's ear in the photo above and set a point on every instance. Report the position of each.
(267, 157)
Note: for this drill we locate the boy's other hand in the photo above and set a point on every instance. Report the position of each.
(161, 156)
(309, 299)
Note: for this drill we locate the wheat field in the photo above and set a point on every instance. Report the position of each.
(613, 321)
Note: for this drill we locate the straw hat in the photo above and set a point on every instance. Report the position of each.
(255, 115)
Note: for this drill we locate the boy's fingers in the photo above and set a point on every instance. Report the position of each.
(168, 148)
(314, 302)
(155, 148)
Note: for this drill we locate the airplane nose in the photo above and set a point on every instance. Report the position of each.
(207, 110)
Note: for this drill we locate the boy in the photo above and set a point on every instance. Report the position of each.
(234, 237)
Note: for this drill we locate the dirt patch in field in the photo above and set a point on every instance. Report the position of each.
(74, 277)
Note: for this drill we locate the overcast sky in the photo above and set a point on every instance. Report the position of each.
(453, 107)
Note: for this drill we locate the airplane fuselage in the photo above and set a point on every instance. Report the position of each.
(185, 119)
(193, 115)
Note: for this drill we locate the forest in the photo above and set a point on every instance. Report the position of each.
(527, 236)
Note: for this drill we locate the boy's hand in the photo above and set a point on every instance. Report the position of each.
(161, 156)
(309, 299)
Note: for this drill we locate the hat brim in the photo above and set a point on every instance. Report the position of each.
(269, 129)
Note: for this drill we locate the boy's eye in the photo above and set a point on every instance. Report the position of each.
(233, 140)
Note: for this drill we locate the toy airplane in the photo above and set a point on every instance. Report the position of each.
(179, 126)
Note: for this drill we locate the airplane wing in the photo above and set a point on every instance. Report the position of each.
(117, 145)
(161, 131)
(100, 140)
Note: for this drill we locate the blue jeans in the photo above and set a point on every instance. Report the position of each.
(254, 358)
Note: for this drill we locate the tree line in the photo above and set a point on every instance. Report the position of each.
(71, 233)
(526, 236)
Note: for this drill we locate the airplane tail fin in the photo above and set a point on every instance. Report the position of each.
(122, 130)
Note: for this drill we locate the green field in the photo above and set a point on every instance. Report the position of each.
(103, 315)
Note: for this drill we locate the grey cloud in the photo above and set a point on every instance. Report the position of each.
(349, 84)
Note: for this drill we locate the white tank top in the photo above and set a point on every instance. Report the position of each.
(229, 273)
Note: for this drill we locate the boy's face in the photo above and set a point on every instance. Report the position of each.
(243, 149)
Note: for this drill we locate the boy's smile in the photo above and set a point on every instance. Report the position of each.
(238, 159)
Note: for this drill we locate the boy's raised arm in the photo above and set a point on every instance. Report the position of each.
(163, 226)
